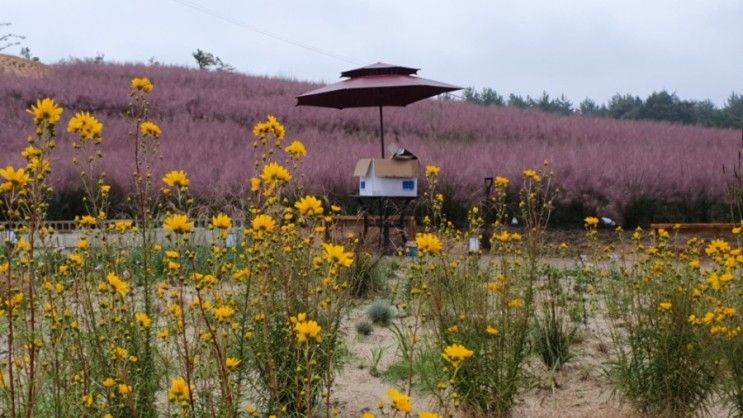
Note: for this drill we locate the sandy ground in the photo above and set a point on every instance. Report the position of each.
(579, 389)
(21, 66)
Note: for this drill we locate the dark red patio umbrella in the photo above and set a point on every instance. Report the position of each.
(376, 85)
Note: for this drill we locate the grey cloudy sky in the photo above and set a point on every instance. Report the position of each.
(582, 48)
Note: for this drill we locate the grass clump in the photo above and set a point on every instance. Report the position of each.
(380, 313)
(364, 328)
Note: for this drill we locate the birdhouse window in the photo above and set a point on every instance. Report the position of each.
(408, 185)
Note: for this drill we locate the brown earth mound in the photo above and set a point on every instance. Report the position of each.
(21, 66)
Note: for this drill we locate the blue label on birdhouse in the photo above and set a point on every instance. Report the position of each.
(363, 184)
(408, 185)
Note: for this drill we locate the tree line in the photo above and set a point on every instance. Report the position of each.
(659, 106)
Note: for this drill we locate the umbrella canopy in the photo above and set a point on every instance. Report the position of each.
(375, 85)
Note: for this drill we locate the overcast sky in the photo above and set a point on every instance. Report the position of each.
(582, 48)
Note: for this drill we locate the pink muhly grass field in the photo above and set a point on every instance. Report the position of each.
(207, 118)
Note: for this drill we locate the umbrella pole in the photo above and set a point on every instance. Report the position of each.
(381, 128)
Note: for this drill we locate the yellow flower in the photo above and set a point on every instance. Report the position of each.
(516, 303)
(46, 110)
(665, 306)
(179, 390)
(223, 312)
(122, 226)
(255, 184)
(400, 401)
(275, 173)
(221, 221)
(432, 170)
(532, 174)
(119, 285)
(271, 125)
(695, 263)
(30, 152)
(232, 363)
(737, 230)
(591, 221)
(178, 223)
(88, 400)
(296, 149)
(15, 178)
(336, 254)
(150, 129)
(367, 415)
(105, 188)
(426, 414)
(428, 243)
(456, 354)
(125, 390)
(491, 330)
(177, 178)
(23, 245)
(263, 223)
(86, 125)
(142, 84)
(143, 319)
(501, 182)
(309, 206)
(717, 246)
(87, 220)
(109, 382)
(307, 329)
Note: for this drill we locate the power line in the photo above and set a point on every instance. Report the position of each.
(200, 8)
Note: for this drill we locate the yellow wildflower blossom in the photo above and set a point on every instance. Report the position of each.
(591, 221)
(255, 184)
(150, 129)
(336, 254)
(296, 149)
(309, 206)
(263, 224)
(46, 110)
(223, 313)
(532, 174)
(231, 363)
(179, 390)
(271, 125)
(177, 178)
(87, 220)
(305, 330)
(516, 303)
(221, 221)
(275, 173)
(142, 84)
(456, 354)
(665, 306)
(432, 170)
(400, 401)
(14, 178)
(86, 125)
(178, 224)
(428, 243)
(143, 319)
(120, 286)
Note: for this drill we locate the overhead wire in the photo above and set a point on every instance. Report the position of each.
(203, 9)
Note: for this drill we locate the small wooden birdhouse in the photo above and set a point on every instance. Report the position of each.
(397, 176)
